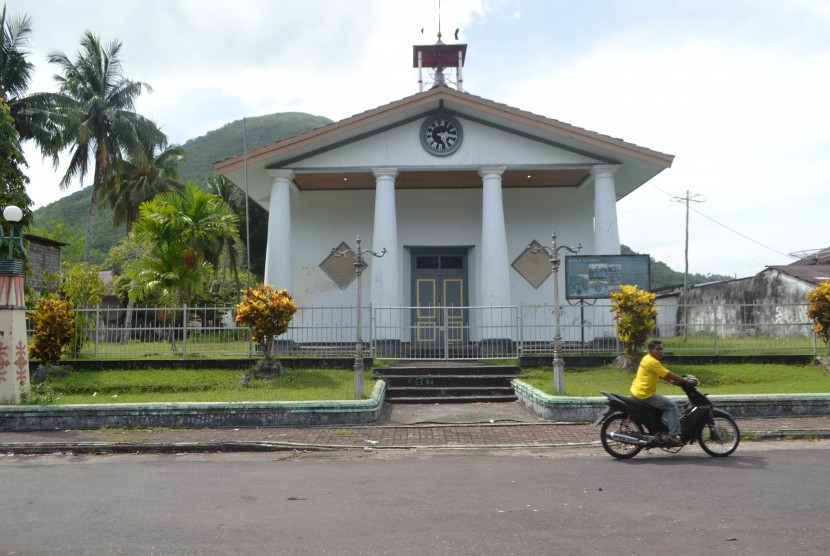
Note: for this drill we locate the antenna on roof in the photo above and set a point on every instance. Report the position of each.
(440, 57)
(439, 20)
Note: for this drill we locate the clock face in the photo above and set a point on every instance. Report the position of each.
(441, 135)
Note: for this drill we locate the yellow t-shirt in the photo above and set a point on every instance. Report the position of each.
(648, 373)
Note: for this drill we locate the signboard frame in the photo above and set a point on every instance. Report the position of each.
(596, 276)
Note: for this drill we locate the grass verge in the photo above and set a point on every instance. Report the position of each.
(195, 385)
(736, 379)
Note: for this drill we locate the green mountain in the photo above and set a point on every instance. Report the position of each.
(65, 219)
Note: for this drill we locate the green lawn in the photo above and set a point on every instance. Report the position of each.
(748, 378)
(223, 385)
(196, 385)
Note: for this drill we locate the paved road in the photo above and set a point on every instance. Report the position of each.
(767, 498)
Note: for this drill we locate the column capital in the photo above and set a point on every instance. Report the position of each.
(605, 169)
(491, 170)
(277, 173)
(385, 172)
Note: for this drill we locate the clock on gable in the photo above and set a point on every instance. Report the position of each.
(441, 135)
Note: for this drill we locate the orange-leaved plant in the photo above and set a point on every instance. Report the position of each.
(819, 310)
(54, 323)
(635, 314)
(268, 312)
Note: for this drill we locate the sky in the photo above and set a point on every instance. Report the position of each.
(737, 91)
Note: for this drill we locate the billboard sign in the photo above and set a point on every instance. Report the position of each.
(596, 276)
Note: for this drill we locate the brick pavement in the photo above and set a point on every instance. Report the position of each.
(359, 437)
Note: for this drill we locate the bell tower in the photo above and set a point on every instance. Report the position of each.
(439, 58)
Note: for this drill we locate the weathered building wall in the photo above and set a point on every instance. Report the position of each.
(43, 257)
(767, 304)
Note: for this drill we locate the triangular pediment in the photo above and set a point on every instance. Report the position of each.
(494, 134)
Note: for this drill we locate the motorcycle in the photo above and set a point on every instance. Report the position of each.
(630, 425)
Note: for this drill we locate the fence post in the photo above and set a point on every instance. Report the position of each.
(97, 320)
(519, 329)
(716, 331)
(184, 332)
(446, 334)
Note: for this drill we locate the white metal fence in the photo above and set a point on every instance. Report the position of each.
(438, 332)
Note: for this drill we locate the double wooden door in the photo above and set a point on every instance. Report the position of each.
(439, 297)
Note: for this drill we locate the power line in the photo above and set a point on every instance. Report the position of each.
(722, 225)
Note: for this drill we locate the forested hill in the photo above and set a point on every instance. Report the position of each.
(663, 276)
(65, 219)
(229, 140)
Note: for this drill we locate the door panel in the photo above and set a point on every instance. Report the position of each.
(426, 314)
(439, 295)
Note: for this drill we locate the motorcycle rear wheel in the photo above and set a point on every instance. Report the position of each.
(624, 425)
(721, 439)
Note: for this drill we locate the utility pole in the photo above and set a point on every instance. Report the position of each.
(687, 198)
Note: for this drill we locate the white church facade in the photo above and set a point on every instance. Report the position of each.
(454, 188)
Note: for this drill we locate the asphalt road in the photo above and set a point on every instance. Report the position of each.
(767, 498)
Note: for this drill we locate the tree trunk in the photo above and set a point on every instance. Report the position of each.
(625, 363)
(98, 183)
(128, 322)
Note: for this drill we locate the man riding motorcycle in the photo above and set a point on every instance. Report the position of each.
(644, 388)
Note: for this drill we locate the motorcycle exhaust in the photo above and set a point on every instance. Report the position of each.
(627, 439)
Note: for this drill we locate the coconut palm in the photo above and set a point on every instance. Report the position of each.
(144, 174)
(97, 116)
(34, 115)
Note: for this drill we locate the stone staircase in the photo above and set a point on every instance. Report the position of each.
(447, 382)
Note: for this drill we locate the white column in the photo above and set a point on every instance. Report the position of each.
(386, 270)
(606, 230)
(494, 278)
(278, 255)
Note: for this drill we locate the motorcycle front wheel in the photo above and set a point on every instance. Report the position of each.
(720, 438)
(621, 424)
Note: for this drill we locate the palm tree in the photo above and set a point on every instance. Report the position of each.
(144, 174)
(98, 121)
(180, 234)
(225, 189)
(34, 116)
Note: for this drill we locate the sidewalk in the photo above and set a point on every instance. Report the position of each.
(401, 427)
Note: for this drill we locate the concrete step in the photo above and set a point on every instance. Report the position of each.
(452, 399)
(448, 391)
(448, 382)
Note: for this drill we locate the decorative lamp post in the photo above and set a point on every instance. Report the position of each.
(359, 266)
(558, 362)
(14, 351)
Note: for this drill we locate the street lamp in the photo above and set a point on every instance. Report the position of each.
(553, 253)
(12, 215)
(359, 266)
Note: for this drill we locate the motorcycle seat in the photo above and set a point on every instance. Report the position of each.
(638, 403)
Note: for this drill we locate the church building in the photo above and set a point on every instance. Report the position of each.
(454, 188)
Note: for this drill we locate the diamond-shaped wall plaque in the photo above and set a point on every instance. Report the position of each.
(533, 264)
(340, 269)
